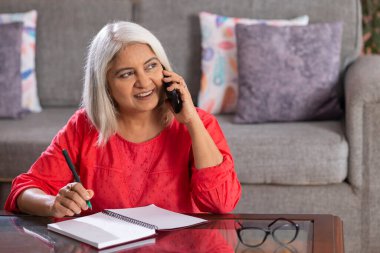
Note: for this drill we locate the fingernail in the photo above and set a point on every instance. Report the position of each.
(87, 197)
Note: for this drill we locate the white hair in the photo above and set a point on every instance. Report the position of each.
(96, 99)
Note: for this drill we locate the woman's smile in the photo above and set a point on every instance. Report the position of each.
(144, 95)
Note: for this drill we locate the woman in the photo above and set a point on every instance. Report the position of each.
(129, 147)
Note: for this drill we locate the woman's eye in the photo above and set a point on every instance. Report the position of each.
(126, 74)
(151, 66)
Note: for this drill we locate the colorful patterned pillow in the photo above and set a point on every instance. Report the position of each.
(294, 75)
(10, 62)
(30, 100)
(219, 82)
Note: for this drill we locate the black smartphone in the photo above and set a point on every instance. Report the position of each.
(174, 97)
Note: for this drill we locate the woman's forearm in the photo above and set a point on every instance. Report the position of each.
(206, 153)
(35, 201)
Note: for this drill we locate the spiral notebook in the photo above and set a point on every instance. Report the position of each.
(116, 226)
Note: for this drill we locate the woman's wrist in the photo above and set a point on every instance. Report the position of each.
(36, 202)
(194, 123)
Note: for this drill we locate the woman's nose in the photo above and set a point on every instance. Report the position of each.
(143, 80)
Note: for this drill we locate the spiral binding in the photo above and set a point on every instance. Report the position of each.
(128, 219)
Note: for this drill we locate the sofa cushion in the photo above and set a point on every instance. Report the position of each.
(30, 100)
(299, 153)
(288, 73)
(10, 79)
(26, 139)
(219, 83)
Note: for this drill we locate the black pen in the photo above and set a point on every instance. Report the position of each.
(72, 168)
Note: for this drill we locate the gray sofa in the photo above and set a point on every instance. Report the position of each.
(304, 167)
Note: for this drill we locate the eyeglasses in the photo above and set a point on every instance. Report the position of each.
(282, 230)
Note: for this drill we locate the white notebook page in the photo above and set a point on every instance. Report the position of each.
(100, 230)
(159, 217)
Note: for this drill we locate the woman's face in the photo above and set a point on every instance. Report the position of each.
(135, 79)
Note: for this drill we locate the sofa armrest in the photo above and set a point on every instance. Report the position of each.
(362, 88)
(362, 94)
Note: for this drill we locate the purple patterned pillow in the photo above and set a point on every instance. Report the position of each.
(288, 73)
(10, 78)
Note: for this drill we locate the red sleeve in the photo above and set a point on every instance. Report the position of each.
(49, 173)
(216, 189)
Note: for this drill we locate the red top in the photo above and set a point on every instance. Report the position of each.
(123, 174)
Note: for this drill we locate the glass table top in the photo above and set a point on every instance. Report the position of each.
(30, 234)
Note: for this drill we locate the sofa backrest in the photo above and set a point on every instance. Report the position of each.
(64, 31)
(65, 28)
(176, 24)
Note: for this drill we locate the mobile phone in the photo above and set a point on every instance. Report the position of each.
(174, 98)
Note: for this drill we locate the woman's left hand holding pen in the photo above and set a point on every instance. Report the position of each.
(70, 200)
